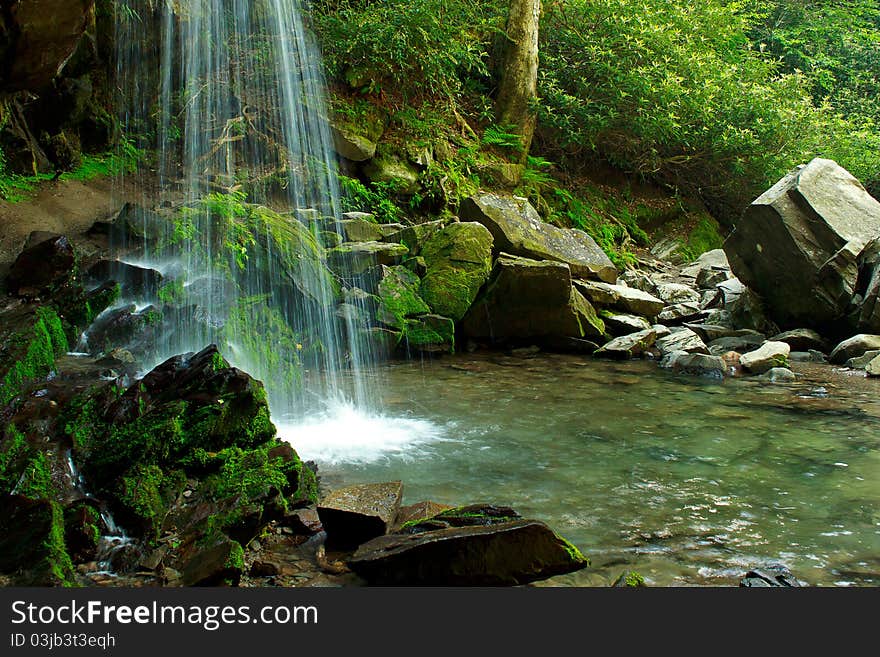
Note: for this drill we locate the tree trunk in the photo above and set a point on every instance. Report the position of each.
(519, 73)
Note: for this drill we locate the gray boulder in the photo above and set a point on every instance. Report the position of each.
(627, 299)
(629, 346)
(675, 293)
(682, 340)
(802, 339)
(518, 230)
(853, 347)
(873, 368)
(681, 362)
(798, 244)
(861, 362)
(623, 324)
(779, 375)
(355, 514)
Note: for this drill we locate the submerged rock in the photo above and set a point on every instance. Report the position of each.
(798, 244)
(779, 375)
(771, 576)
(356, 514)
(682, 362)
(517, 229)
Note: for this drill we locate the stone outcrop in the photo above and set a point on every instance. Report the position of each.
(356, 514)
(518, 230)
(798, 244)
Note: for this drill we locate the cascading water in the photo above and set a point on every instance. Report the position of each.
(229, 96)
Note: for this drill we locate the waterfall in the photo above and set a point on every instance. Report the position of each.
(228, 95)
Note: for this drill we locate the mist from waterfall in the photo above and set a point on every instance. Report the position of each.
(229, 95)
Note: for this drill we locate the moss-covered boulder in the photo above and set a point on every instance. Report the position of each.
(398, 293)
(355, 258)
(32, 547)
(415, 236)
(531, 299)
(397, 172)
(31, 339)
(458, 260)
(429, 333)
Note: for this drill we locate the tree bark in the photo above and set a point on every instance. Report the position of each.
(518, 88)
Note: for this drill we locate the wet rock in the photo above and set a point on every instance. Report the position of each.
(82, 530)
(124, 327)
(741, 343)
(134, 281)
(517, 229)
(627, 299)
(854, 347)
(808, 357)
(398, 293)
(861, 362)
(779, 375)
(676, 293)
(458, 260)
(221, 562)
(771, 576)
(732, 362)
(622, 324)
(710, 332)
(629, 346)
(681, 362)
(508, 553)
(797, 245)
(769, 355)
(135, 222)
(429, 333)
(682, 340)
(356, 514)
(802, 340)
(414, 513)
(873, 368)
(363, 230)
(530, 299)
(358, 257)
(43, 266)
(629, 579)
(869, 288)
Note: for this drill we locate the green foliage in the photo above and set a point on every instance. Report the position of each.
(674, 91)
(376, 198)
(249, 475)
(14, 452)
(504, 137)
(407, 47)
(44, 343)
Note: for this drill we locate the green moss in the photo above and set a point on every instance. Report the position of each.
(398, 294)
(433, 331)
(573, 552)
(634, 579)
(235, 560)
(140, 493)
(36, 479)
(44, 342)
(705, 236)
(14, 454)
(58, 559)
(171, 293)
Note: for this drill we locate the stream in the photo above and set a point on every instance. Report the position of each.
(687, 481)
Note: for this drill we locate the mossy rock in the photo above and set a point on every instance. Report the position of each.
(429, 333)
(398, 294)
(395, 171)
(355, 258)
(31, 339)
(32, 547)
(459, 261)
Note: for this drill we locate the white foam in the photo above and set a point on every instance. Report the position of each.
(346, 435)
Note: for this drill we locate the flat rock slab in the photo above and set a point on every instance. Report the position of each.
(355, 514)
(627, 299)
(517, 229)
(683, 340)
(504, 554)
(629, 346)
(623, 324)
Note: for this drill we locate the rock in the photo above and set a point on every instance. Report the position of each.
(869, 288)
(802, 340)
(629, 346)
(137, 223)
(415, 236)
(797, 245)
(629, 579)
(518, 230)
(124, 327)
(219, 562)
(458, 260)
(771, 576)
(661, 330)
(710, 278)
(711, 332)
(356, 514)
(400, 174)
(873, 368)
(681, 362)
(362, 230)
(747, 312)
(351, 145)
(732, 362)
(767, 356)
(42, 267)
(779, 375)
(716, 259)
(507, 553)
(623, 324)
(683, 340)
(741, 343)
(638, 280)
(134, 282)
(530, 299)
(627, 299)
(47, 33)
(854, 347)
(398, 293)
(679, 313)
(357, 257)
(32, 548)
(261, 568)
(419, 511)
(676, 293)
(429, 333)
(809, 357)
(861, 362)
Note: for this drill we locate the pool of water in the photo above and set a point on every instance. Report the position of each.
(685, 480)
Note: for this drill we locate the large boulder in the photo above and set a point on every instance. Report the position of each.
(769, 355)
(458, 260)
(798, 244)
(518, 229)
(531, 299)
(356, 514)
(853, 347)
(398, 294)
(868, 319)
(473, 546)
(44, 265)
